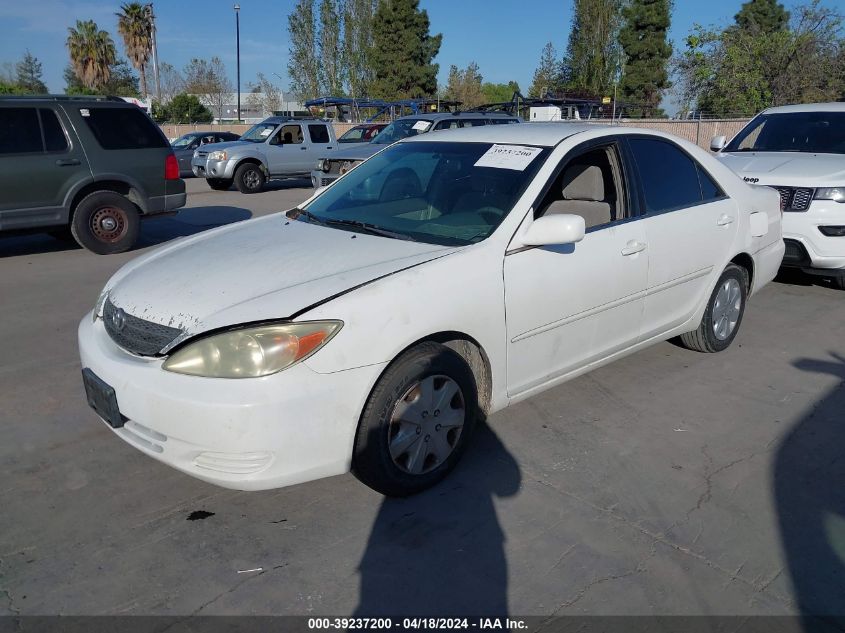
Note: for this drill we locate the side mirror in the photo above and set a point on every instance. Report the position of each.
(554, 229)
(717, 143)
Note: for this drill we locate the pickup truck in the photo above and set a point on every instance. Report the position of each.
(278, 147)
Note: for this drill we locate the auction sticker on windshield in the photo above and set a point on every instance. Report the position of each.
(422, 126)
(516, 157)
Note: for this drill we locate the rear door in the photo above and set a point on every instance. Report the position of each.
(690, 227)
(123, 142)
(321, 142)
(40, 162)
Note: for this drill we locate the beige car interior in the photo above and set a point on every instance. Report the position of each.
(588, 186)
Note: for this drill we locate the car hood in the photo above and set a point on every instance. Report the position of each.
(358, 151)
(787, 168)
(268, 268)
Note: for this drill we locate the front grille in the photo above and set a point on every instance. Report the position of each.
(201, 154)
(795, 254)
(795, 199)
(135, 335)
(325, 182)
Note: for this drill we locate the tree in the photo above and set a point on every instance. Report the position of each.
(208, 81)
(358, 45)
(28, 75)
(549, 76)
(303, 68)
(465, 86)
(593, 53)
(332, 68)
(762, 16)
(92, 53)
(171, 80)
(499, 93)
(135, 25)
(10, 88)
(265, 96)
(740, 72)
(122, 82)
(184, 108)
(647, 51)
(403, 51)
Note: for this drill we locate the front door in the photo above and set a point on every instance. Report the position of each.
(570, 305)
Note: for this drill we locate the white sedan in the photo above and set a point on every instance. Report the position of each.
(443, 279)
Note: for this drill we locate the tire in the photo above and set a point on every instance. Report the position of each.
(722, 318)
(839, 281)
(220, 184)
(249, 178)
(105, 222)
(411, 466)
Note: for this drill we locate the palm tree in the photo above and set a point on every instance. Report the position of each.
(92, 53)
(134, 23)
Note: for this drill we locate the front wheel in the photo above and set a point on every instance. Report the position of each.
(723, 314)
(219, 184)
(105, 222)
(249, 178)
(417, 421)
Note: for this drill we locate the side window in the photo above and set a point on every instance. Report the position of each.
(288, 135)
(589, 185)
(122, 128)
(709, 189)
(448, 124)
(19, 131)
(669, 177)
(54, 136)
(474, 122)
(319, 133)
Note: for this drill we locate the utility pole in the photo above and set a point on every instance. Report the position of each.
(155, 51)
(238, 53)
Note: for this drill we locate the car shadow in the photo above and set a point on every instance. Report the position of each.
(442, 552)
(794, 277)
(154, 230)
(809, 471)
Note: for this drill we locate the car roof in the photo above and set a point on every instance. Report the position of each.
(439, 116)
(75, 99)
(807, 107)
(276, 120)
(536, 134)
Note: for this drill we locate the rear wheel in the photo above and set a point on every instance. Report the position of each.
(723, 315)
(220, 184)
(249, 178)
(105, 222)
(417, 421)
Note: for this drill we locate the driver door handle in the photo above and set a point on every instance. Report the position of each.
(724, 220)
(303, 149)
(633, 247)
(67, 162)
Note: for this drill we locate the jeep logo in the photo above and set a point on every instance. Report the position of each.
(751, 180)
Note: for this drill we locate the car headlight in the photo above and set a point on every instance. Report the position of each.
(218, 155)
(837, 194)
(252, 352)
(324, 165)
(101, 301)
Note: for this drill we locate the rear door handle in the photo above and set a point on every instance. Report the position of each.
(633, 247)
(724, 220)
(68, 162)
(303, 148)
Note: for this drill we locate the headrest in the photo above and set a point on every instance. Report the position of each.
(583, 182)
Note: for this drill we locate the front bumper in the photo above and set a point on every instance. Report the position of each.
(823, 253)
(322, 179)
(204, 168)
(250, 434)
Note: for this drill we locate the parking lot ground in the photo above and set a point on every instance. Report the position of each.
(669, 482)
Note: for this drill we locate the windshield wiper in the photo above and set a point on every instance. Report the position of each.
(366, 227)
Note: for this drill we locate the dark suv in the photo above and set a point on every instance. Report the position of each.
(89, 167)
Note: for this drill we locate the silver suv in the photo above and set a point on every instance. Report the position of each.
(278, 147)
(332, 166)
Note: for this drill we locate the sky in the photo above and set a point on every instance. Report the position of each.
(504, 37)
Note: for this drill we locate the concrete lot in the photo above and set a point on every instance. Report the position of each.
(670, 482)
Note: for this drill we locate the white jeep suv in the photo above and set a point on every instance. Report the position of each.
(800, 151)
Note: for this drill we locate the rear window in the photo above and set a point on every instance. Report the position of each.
(19, 131)
(319, 133)
(54, 136)
(122, 128)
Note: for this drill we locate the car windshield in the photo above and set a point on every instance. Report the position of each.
(354, 134)
(433, 192)
(402, 128)
(184, 141)
(259, 132)
(812, 132)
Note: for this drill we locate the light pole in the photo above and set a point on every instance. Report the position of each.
(238, 53)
